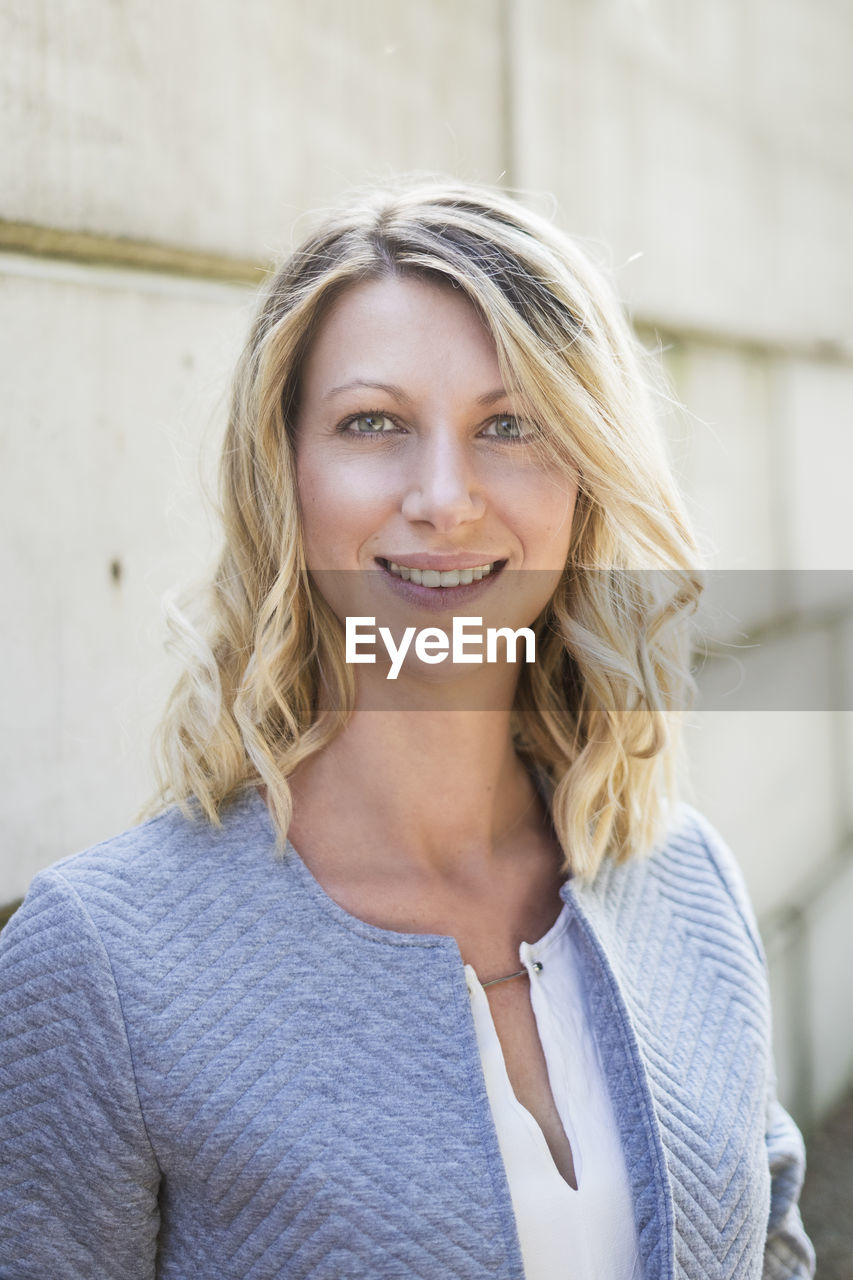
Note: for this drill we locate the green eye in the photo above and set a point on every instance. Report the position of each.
(370, 424)
(507, 427)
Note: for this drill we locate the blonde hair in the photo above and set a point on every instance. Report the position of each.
(596, 715)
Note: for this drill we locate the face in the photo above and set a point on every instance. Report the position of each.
(412, 466)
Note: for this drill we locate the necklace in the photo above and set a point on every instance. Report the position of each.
(520, 973)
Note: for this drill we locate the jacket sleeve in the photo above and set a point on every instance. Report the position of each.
(78, 1178)
(788, 1252)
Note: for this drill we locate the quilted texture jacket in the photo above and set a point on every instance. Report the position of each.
(209, 1069)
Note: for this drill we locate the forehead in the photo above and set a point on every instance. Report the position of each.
(399, 327)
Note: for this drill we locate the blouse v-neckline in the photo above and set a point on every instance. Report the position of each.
(592, 1225)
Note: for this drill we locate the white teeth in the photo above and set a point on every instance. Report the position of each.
(434, 578)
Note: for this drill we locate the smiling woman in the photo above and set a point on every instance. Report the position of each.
(430, 976)
(442, 479)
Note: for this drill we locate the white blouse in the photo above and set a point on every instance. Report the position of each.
(585, 1234)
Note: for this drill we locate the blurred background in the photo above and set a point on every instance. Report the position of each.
(157, 156)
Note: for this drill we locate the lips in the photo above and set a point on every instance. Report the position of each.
(424, 588)
(441, 578)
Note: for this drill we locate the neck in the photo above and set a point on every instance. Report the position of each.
(442, 791)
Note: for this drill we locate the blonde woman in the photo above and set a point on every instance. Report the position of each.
(422, 971)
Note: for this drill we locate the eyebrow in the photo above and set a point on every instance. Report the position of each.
(392, 389)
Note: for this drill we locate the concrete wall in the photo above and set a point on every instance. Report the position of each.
(157, 155)
(764, 461)
(112, 381)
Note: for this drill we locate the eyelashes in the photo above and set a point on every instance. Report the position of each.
(374, 424)
(509, 427)
(374, 418)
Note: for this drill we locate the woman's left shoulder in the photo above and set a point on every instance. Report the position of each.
(686, 903)
(694, 863)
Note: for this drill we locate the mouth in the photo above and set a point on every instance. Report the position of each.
(441, 579)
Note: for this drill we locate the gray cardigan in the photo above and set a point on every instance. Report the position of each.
(209, 1069)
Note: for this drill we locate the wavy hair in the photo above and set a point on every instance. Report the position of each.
(596, 717)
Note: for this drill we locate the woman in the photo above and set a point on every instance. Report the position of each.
(425, 974)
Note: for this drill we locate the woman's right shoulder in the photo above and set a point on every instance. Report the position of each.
(148, 871)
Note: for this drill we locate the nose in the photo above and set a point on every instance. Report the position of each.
(442, 487)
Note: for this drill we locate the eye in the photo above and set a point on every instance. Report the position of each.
(368, 424)
(507, 427)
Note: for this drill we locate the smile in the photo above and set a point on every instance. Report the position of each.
(444, 578)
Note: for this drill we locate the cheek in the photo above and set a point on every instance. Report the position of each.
(338, 511)
(551, 511)
(316, 511)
